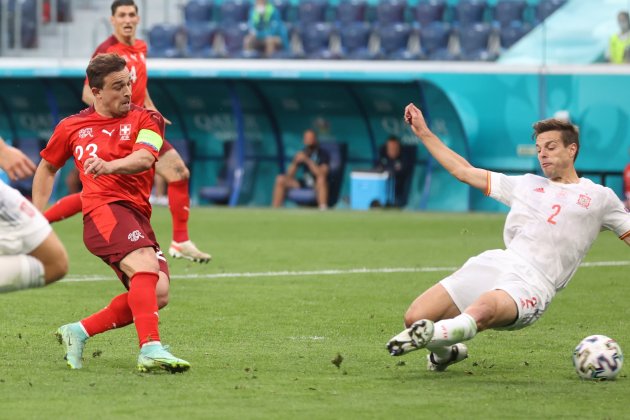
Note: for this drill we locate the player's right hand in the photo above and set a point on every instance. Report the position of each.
(415, 119)
(96, 166)
(16, 164)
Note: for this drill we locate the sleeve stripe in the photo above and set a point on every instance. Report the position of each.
(488, 189)
(625, 235)
(151, 138)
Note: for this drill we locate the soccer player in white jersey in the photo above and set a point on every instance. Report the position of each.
(31, 254)
(552, 223)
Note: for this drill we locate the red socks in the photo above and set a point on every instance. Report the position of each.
(179, 204)
(116, 315)
(64, 208)
(143, 303)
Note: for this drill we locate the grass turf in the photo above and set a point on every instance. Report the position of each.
(263, 347)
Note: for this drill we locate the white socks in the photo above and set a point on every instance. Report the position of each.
(20, 272)
(451, 331)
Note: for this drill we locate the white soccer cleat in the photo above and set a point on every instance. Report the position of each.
(189, 251)
(413, 338)
(459, 352)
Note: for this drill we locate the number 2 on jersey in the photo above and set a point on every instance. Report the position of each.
(556, 208)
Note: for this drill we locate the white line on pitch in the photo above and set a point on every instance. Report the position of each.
(332, 272)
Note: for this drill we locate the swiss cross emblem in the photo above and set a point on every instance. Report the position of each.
(125, 131)
(584, 201)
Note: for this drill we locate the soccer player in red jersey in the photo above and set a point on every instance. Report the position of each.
(170, 166)
(115, 146)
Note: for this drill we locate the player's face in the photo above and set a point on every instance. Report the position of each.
(309, 139)
(115, 97)
(125, 21)
(555, 159)
(393, 149)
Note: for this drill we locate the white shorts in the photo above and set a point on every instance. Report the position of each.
(22, 227)
(499, 269)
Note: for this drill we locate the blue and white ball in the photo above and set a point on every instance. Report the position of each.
(598, 357)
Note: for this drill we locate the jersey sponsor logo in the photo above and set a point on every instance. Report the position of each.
(539, 190)
(85, 132)
(125, 131)
(584, 201)
(109, 133)
(135, 236)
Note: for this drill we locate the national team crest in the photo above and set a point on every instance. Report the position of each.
(584, 201)
(85, 132)
(125, 131)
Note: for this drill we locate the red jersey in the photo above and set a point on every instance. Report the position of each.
(89, 134)
(135, 55)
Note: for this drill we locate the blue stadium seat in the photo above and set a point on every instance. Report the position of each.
(429, 11)
(434, 40)
(28, 29)
(312, 11)
(508, 11)
(199, 40)
(198, 11)
(315, 39)
(547, 7)
(284, 8)
(64, 11)
(511, 33)
(350, 11)
(473, 41)
(233, 36)
(31, 148)
(390, 11)
(355, 38)
(183, 147)
(470, 11)
(394, 40)
(163, 41)
(306, 196)
(234, 11)
(220, 193)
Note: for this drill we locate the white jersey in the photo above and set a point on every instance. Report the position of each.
(552, 225)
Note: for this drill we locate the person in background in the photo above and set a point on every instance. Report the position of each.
(626, 186)
(391, 161)
(267, 32)
(619, 44)
(315, 163)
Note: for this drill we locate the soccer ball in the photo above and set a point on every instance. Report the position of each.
(597, 357)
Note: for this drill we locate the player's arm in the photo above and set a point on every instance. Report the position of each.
(15, 163)
(455, 164)
(138, 161)
(318, 170)
(87, 96)
(148, 104)
(43, 183)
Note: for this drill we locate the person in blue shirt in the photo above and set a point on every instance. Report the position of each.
(267, 31)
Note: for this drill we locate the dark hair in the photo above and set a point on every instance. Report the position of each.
(102, 65)
(393, 138)
(116, 4)
(569, 133)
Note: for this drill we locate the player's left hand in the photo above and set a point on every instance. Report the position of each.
(96, 166)
(16, 164)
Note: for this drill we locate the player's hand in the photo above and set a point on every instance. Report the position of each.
(415, 119)
(96, 166)
(16, 164)
(300, 157)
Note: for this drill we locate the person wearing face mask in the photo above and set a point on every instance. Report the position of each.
(619, 45)
(267, 32)
(314, 163)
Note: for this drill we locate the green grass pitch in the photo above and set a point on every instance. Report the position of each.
(263, 346)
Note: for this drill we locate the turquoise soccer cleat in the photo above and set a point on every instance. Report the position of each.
(73, 337)
(155, 357)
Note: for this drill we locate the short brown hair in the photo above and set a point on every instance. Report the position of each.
(116, 4)
(569, 133)
(102, 65)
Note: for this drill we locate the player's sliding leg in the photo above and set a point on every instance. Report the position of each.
(442, 357)
(66, 207)
(413, 338)
(171, 166)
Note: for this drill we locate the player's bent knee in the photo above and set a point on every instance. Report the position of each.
(56, 270)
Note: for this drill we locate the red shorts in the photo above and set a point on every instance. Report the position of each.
(166, 146)
(114, 230)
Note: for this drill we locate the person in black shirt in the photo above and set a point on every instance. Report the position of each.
(313, 162)
(391, 161)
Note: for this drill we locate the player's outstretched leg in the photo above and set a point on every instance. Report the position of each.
(73, 337)
(457, 353)
(413, 338)
(155, 357)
